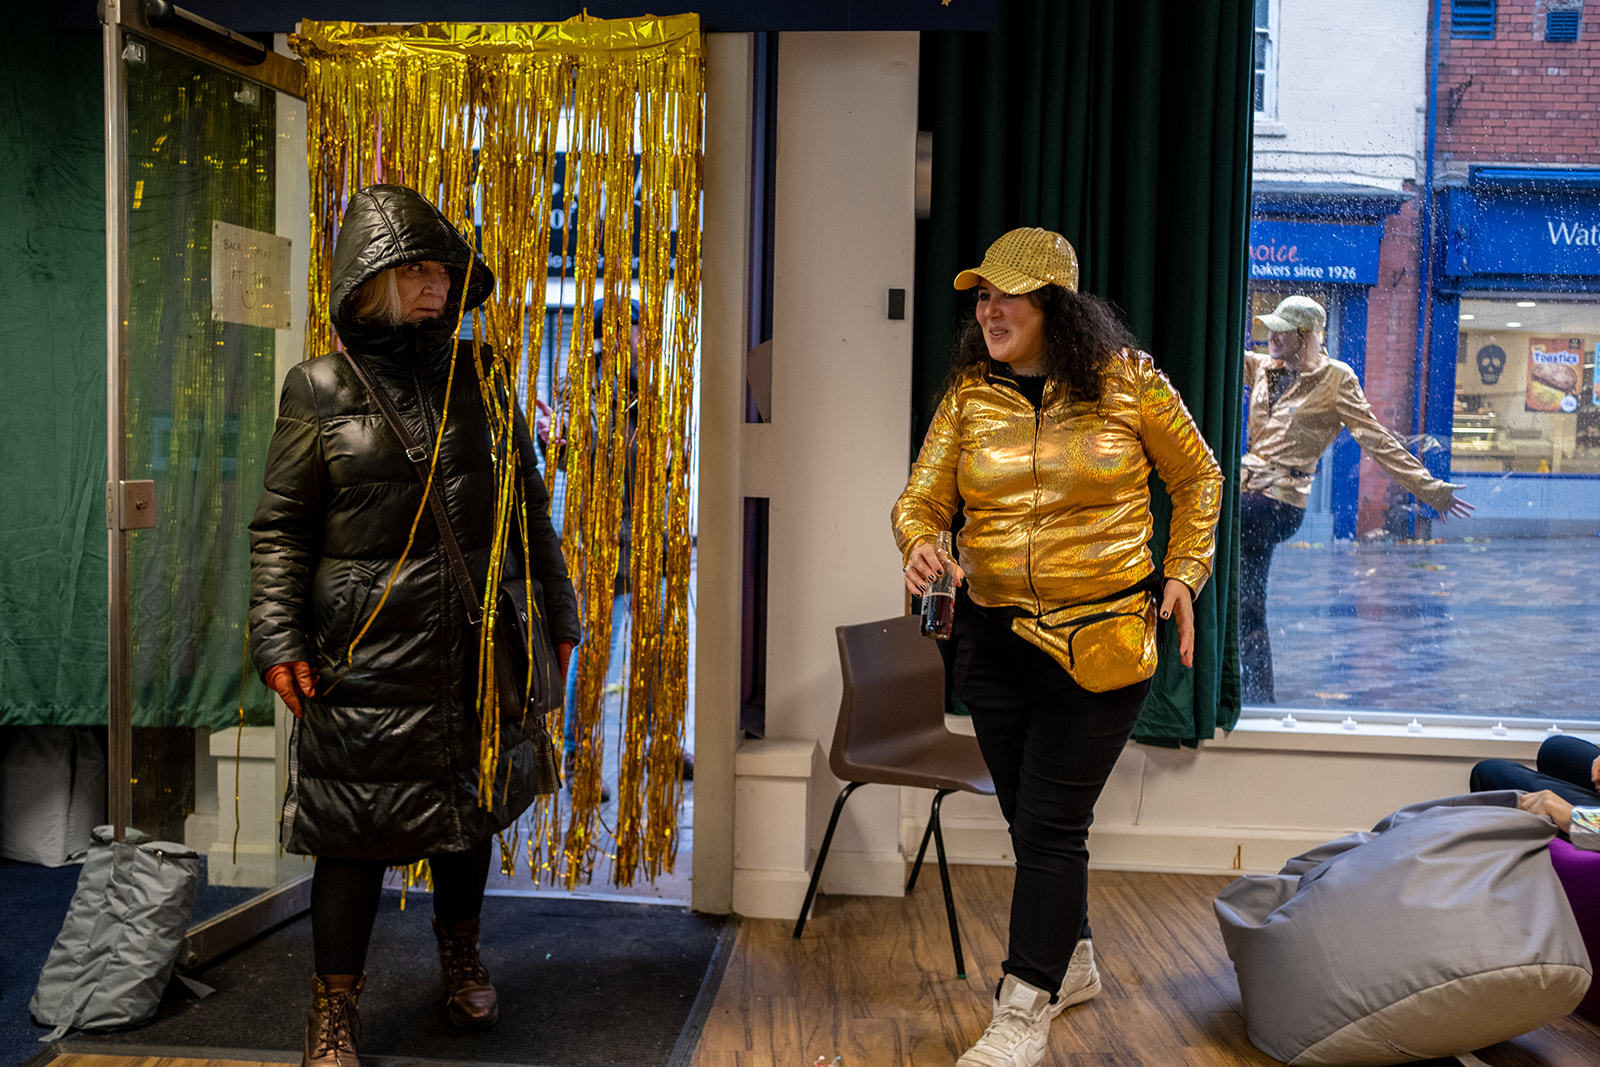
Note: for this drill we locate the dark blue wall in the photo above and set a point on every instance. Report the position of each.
(716, 16)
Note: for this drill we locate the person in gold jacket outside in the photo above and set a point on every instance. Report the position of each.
(1300, 398)
(1050, 426)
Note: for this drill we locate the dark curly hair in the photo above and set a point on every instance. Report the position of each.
(1081, 332)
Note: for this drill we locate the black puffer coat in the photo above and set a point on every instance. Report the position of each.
(384, 760)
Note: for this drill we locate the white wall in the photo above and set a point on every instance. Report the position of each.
(725, 273)
(1352, 84)
(1247, 801)
(834, 456)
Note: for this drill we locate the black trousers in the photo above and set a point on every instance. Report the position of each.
(1050, 745)
(1264, 523)
(345, 894)
(1564, 766)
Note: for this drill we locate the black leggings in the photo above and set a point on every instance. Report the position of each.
(1263, 524)
(344, 902)
(1564, 767)
(1050, 745)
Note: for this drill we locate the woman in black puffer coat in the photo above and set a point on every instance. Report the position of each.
(384, 758)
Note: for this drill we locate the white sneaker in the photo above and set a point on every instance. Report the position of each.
(1019, 1032)
(1081, 981)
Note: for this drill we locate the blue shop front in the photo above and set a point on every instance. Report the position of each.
(1322, 241)
(1515, 325)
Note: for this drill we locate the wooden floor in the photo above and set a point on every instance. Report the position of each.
(873, 983)
(82, 1060)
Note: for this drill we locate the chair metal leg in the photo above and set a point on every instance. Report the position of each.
(949, 900)
(922, 850)
(822, 855)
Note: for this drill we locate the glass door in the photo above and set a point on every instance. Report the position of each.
(209, 279)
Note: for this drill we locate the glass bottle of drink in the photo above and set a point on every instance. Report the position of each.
(939, 599)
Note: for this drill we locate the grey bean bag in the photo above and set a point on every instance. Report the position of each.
(121, 936)
(1442, 930)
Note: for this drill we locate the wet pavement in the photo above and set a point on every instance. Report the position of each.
(1498, 627)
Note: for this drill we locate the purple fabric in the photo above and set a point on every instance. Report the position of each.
(1579, 871)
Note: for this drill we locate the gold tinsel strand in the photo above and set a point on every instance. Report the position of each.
(473, 117)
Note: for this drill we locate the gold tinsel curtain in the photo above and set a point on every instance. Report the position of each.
(475, 117)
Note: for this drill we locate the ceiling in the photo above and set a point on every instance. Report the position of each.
(1547, 316)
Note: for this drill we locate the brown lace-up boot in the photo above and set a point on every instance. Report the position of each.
(470, 999)
(332, 1022)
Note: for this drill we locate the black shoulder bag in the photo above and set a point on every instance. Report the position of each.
(526, 669)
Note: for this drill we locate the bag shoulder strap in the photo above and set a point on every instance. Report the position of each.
(418, 455)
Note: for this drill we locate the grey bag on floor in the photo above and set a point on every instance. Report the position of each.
(120, 940)
(1443, 930)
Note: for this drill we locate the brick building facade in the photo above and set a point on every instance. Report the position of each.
(1390, 380)
(1517, 97)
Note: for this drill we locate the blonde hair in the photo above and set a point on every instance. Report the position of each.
(378, 299)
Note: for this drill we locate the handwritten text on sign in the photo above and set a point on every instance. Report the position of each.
(249, 276)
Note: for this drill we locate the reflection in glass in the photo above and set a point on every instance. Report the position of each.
(199, 408)
(199, 389)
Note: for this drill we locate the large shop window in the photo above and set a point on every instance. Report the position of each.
(1526, 397)
(1449, 230)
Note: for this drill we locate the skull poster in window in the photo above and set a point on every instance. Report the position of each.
(1555, 367)
(1491, 361)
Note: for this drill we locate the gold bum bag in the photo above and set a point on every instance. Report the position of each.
(1103, 644)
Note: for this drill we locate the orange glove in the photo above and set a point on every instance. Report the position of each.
(292, 681)
(564, 654)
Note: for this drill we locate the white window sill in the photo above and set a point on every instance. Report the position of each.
(1312, 732)
(1270, 128)
(1309, 731)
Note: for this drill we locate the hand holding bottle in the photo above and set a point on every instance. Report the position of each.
(939, 595)
(924, 564)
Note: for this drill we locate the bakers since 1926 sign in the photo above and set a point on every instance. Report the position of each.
(1296, 250)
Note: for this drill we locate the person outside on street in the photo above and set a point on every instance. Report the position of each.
(1300, 398)
(622, 593)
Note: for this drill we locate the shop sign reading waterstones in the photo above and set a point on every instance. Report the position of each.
(1330, 253)
(1511, 234)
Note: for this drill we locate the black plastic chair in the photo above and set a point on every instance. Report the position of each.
(891, 731)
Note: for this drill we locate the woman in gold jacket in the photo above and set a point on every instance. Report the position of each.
(1048, 431)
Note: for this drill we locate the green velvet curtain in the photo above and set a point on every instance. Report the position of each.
(52, 408)
(1126, 127)
(200, 399)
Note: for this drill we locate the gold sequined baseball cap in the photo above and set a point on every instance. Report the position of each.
(1295, 313)
(1024, 260)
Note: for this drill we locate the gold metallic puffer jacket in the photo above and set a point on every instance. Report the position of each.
(1057, 501)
